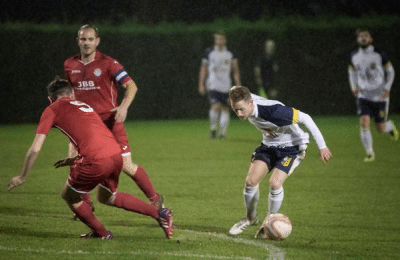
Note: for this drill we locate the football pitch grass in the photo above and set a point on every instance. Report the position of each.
(346, 209)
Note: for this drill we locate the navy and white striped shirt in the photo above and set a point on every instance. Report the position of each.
(279, 124)
(371, 72)
(219, 64)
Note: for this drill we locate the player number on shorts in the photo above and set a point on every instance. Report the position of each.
(83, 106)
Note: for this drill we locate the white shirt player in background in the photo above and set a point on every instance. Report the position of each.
(371, 76)
(281, 151)
(216, 68)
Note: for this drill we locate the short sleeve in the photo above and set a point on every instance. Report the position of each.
(279, 115)
(46, 122)
(119, 73)
(385, 60)
(206, 55)
(351, 65)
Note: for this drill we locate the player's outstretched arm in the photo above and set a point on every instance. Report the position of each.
(30, 159)
(324, 151)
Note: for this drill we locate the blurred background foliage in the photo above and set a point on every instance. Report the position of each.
(161, 45)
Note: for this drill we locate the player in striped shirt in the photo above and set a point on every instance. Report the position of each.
(371, 76)
(217, 65)
(281, 151)
(95, 78)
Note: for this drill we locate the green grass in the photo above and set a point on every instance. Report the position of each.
(347, 209)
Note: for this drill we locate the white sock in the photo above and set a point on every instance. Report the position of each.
(224, 121)
(213, 116)
(366, 139)
(275, 199)
(388, 126)
(251, 197)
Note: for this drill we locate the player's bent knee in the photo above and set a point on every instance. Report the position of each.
(275, 183)
(129, 167)
(250, 182)
(63, 196)
(71, 197)
(364, 121)
(105, 200)
(380, 127)
(217, 106)
(275, 187)
(104, 196)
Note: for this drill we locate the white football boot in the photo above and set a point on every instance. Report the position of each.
(242, 225)
(261, 233)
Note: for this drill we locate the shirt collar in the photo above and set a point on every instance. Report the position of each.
(95, 58)
(223, 48)
(369, 49)
(254, 113)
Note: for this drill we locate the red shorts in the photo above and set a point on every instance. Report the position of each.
(118, 130)
(87, 175)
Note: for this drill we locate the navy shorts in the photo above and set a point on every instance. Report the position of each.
(283, 158)
(377, 110)
(216, 96)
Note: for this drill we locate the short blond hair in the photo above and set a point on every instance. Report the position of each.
(239, 93)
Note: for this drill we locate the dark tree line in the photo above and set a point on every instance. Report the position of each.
(188, 11)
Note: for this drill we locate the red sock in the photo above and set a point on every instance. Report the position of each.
(85, 214)
(142, 180)
(131, 203)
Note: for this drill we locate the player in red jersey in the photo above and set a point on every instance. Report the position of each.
(95, 77)
(99, 162)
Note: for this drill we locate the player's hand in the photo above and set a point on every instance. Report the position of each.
(202, 90)
(15, 182)
(355, 92)
(325, 154)
(65, 162)
(121, 114)
(385, 93)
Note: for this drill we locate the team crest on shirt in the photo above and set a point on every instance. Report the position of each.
(97, 72)
(373, 66)
(286, 162)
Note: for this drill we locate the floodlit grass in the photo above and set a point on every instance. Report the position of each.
(347, 209)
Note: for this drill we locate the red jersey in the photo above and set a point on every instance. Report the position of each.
(82, 125)
(95, 82)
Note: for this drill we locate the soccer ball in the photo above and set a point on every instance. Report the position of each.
(277, 226)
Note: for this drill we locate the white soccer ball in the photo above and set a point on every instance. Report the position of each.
(277, 226)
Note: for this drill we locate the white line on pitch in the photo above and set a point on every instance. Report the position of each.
(139, 252)
(274, 253)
